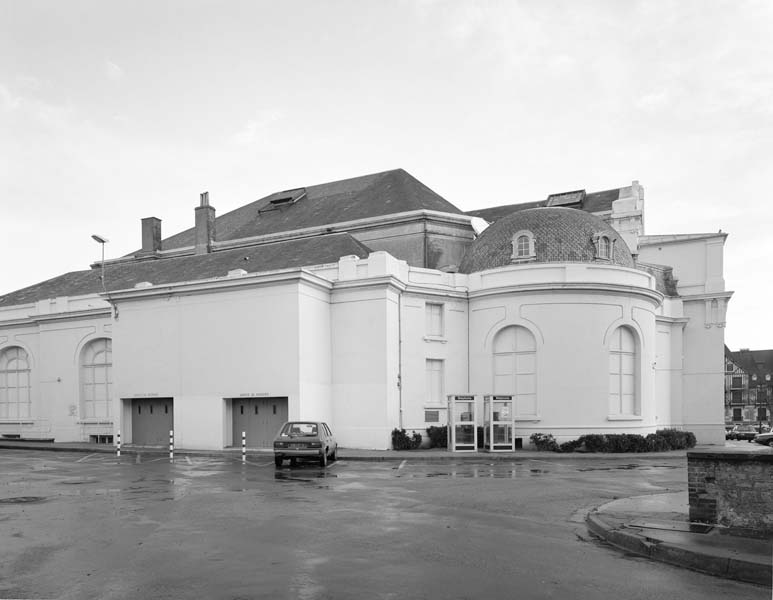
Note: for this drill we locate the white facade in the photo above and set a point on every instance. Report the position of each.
(372, 344)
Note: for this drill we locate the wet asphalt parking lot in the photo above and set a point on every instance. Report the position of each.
(84, 526)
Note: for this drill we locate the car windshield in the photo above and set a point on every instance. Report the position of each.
(746, 428)
(299, 429)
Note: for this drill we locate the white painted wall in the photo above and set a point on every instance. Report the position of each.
(53, 345)
(202, 348)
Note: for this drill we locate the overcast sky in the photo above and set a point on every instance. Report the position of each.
(115, 111)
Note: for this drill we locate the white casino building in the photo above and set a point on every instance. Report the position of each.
(364, 303)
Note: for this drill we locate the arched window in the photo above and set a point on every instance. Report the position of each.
(523, 246)
(522, 249)
(603, 247)
(515, 368)
(96, 379)
(15, 401)
(623, 399)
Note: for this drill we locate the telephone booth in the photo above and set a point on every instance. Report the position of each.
(498, 424)
(462, 421)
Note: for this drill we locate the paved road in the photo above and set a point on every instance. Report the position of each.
(92, 526)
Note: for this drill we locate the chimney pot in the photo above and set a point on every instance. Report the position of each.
(205, 225)
(151, 234)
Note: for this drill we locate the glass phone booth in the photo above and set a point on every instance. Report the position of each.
(498, 424)
(462, 420)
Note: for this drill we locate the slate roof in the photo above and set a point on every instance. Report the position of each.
(560, 235)
(759, 362)
(665, 282)
(265, 257)
(372, 195)
(593, 203)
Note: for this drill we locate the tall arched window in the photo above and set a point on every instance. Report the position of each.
(623, 399)
(96, 379)
(15, 400)
(515, 368)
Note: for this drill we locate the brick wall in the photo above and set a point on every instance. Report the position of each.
(732, 489)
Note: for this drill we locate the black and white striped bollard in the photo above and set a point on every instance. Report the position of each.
(118, 445)
(244, 446)
(171, 444)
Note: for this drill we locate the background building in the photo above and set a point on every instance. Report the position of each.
(748, 386)
(364, 303)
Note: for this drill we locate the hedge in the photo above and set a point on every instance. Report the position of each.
(660, 441)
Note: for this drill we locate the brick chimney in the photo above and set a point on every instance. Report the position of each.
(151, 235)
(205, 225)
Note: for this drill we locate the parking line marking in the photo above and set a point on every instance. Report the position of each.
(402, 464)
(188, 460)
(139, 460)
(85, 458)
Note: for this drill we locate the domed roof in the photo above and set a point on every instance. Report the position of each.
(559, 234)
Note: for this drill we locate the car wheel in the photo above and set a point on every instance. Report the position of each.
(334, 455)
(770, 443)
(323, 459)
(293, 462)
(278, 461)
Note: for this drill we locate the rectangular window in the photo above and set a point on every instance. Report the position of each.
(737, 396)
(432, 416)
(435, 381)
(737, 382)
(737, 414)
(434, 319)
(762, 414)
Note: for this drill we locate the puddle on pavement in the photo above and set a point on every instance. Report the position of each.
(22, 500)
(629, 467)
(309, 478)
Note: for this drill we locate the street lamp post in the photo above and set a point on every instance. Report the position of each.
(102, 241)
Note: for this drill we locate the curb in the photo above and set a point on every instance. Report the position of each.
(383, 456)
(719, 566)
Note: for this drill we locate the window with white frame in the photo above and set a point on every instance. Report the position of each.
(515, 368)
(623, 399)
(435, 381)
(15, 397)
(605, 246)
(523, 246)
(434, 319)
(96, 379)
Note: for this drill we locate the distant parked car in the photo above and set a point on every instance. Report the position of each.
(308, 440)
(766, 439)
(743, 432)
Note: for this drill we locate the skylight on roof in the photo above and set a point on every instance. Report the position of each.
(288, 197)
(566, 198)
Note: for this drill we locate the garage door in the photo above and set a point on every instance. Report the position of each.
(152, 418)
(259, 418)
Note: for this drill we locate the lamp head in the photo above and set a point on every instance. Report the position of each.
(99, 239)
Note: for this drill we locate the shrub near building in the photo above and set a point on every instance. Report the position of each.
(661, 441)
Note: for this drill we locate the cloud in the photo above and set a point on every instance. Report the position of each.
(256, 129)
(8, 100)
(654, 101)
(113, 71)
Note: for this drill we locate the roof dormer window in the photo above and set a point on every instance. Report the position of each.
(605, 247)
(523, 247)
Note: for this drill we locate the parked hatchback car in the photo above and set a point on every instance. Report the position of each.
(308, 440)
(743, 432)
(766, 439)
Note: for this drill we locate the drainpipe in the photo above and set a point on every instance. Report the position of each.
(400, 357)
